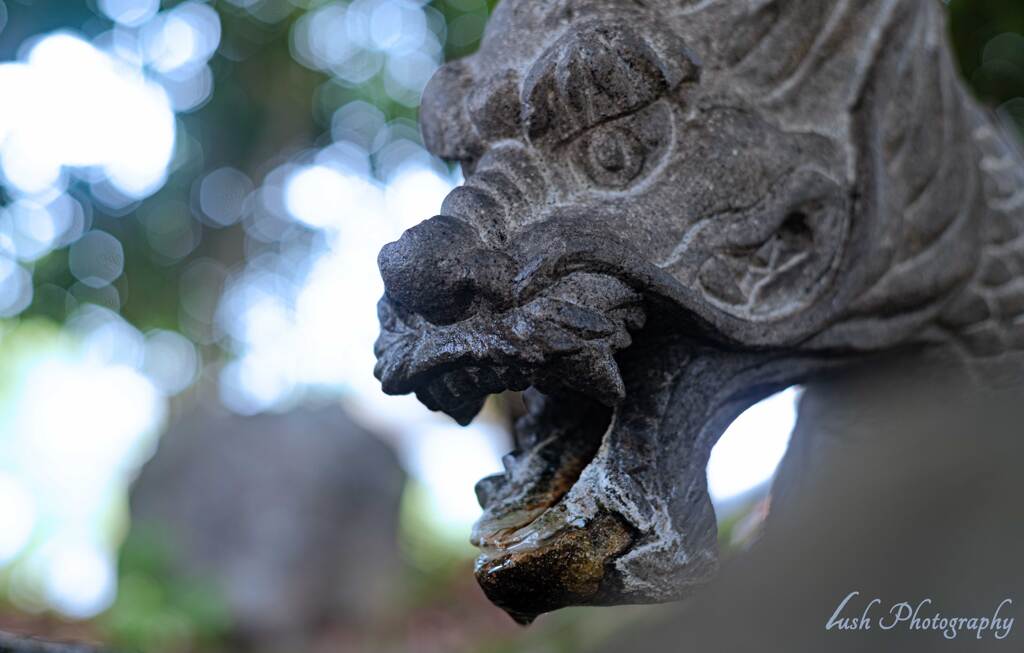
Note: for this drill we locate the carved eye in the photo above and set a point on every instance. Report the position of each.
(612, 157)
(618, 154)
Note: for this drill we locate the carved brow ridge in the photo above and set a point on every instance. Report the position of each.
(596, 74)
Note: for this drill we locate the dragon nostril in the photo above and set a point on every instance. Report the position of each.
(429, 270)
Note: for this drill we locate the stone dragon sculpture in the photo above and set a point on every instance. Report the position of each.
(672, 209)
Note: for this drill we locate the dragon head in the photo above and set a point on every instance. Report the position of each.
(670, 211)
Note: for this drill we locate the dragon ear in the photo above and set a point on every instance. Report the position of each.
(777, 260)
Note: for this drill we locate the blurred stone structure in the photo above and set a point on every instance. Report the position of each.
(293, 518)
(902, 484)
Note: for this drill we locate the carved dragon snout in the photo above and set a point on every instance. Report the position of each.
(672, 210)
(461, 321)
(442, 270)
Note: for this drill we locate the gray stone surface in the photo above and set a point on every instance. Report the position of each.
(21, 644)
(906, 488)
(671, 210)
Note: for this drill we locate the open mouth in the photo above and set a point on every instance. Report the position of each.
(538, 552)
(576, 492)
(553, 446)
(604, 499)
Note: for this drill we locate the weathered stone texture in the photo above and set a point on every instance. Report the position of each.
(672, 209)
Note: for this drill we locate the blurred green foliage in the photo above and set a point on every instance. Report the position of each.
(988, 36)
(265, 107)
(158, 610)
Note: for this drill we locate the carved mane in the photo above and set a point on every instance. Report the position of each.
(878, 79)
